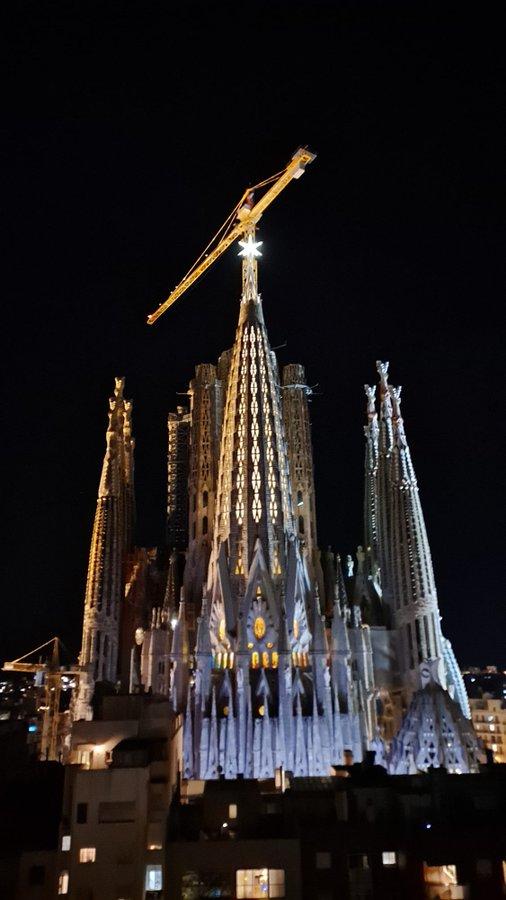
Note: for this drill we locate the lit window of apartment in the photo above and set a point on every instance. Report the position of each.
(84, 758)
(154, 878)
(441, 876)
(65, 842)
(253, 883)
(389, 858)
(87, 854)
(232, 811)
(63, 882)
(154, 840)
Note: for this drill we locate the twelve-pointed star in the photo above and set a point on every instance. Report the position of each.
(250, 247)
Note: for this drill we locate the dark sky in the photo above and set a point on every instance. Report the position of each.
(131, 130)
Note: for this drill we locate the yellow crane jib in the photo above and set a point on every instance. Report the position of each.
(245, 218)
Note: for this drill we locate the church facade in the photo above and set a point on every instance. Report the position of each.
(276, 657)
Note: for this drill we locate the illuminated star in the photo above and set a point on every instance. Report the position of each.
(250, 247)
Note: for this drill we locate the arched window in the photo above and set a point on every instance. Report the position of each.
(300, 501)
(301, 524)
(204, 525)
(205, 499)
(255, 660)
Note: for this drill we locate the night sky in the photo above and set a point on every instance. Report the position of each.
(131, 130)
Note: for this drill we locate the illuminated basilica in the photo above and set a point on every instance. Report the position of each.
(277, 657)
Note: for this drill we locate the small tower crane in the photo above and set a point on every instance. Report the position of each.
(240, 223)
(52, 673)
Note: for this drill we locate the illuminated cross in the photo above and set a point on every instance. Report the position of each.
(250, 247)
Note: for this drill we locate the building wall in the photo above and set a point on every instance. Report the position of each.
(120, 815)
(117, 795)
(361, 836)
(228, 857)
(489, 720)
(116, 813)
(36, 879)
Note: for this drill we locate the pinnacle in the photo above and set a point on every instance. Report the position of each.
(382, 369)
(395, 393)
(370, 393)
(119, 384)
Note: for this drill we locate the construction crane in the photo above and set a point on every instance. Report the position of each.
(239, 223)
(52, 673)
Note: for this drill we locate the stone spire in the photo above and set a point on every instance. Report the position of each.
(179, 659)
(253, 497)
(375, 548)
(110, 542)
(377, 524)
(300, 453)
(401, 544)
(206, 408)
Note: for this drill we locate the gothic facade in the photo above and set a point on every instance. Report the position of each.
(275, 657)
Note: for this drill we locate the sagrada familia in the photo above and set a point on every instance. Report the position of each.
(276, 656)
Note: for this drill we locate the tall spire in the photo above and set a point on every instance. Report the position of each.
(206, 399)
(372, 526)
(402, 544)
(253, 498)
(111, 539)
(377, 519)
(296, 394)
(179, 657)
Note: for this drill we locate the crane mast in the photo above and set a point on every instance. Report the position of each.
(247, 219)
(52, 675)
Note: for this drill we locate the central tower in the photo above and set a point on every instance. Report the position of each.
(269, 691)
(253, 498)
(258, 587)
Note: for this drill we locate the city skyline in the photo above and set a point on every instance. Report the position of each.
(253, 614)
(391, 240)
